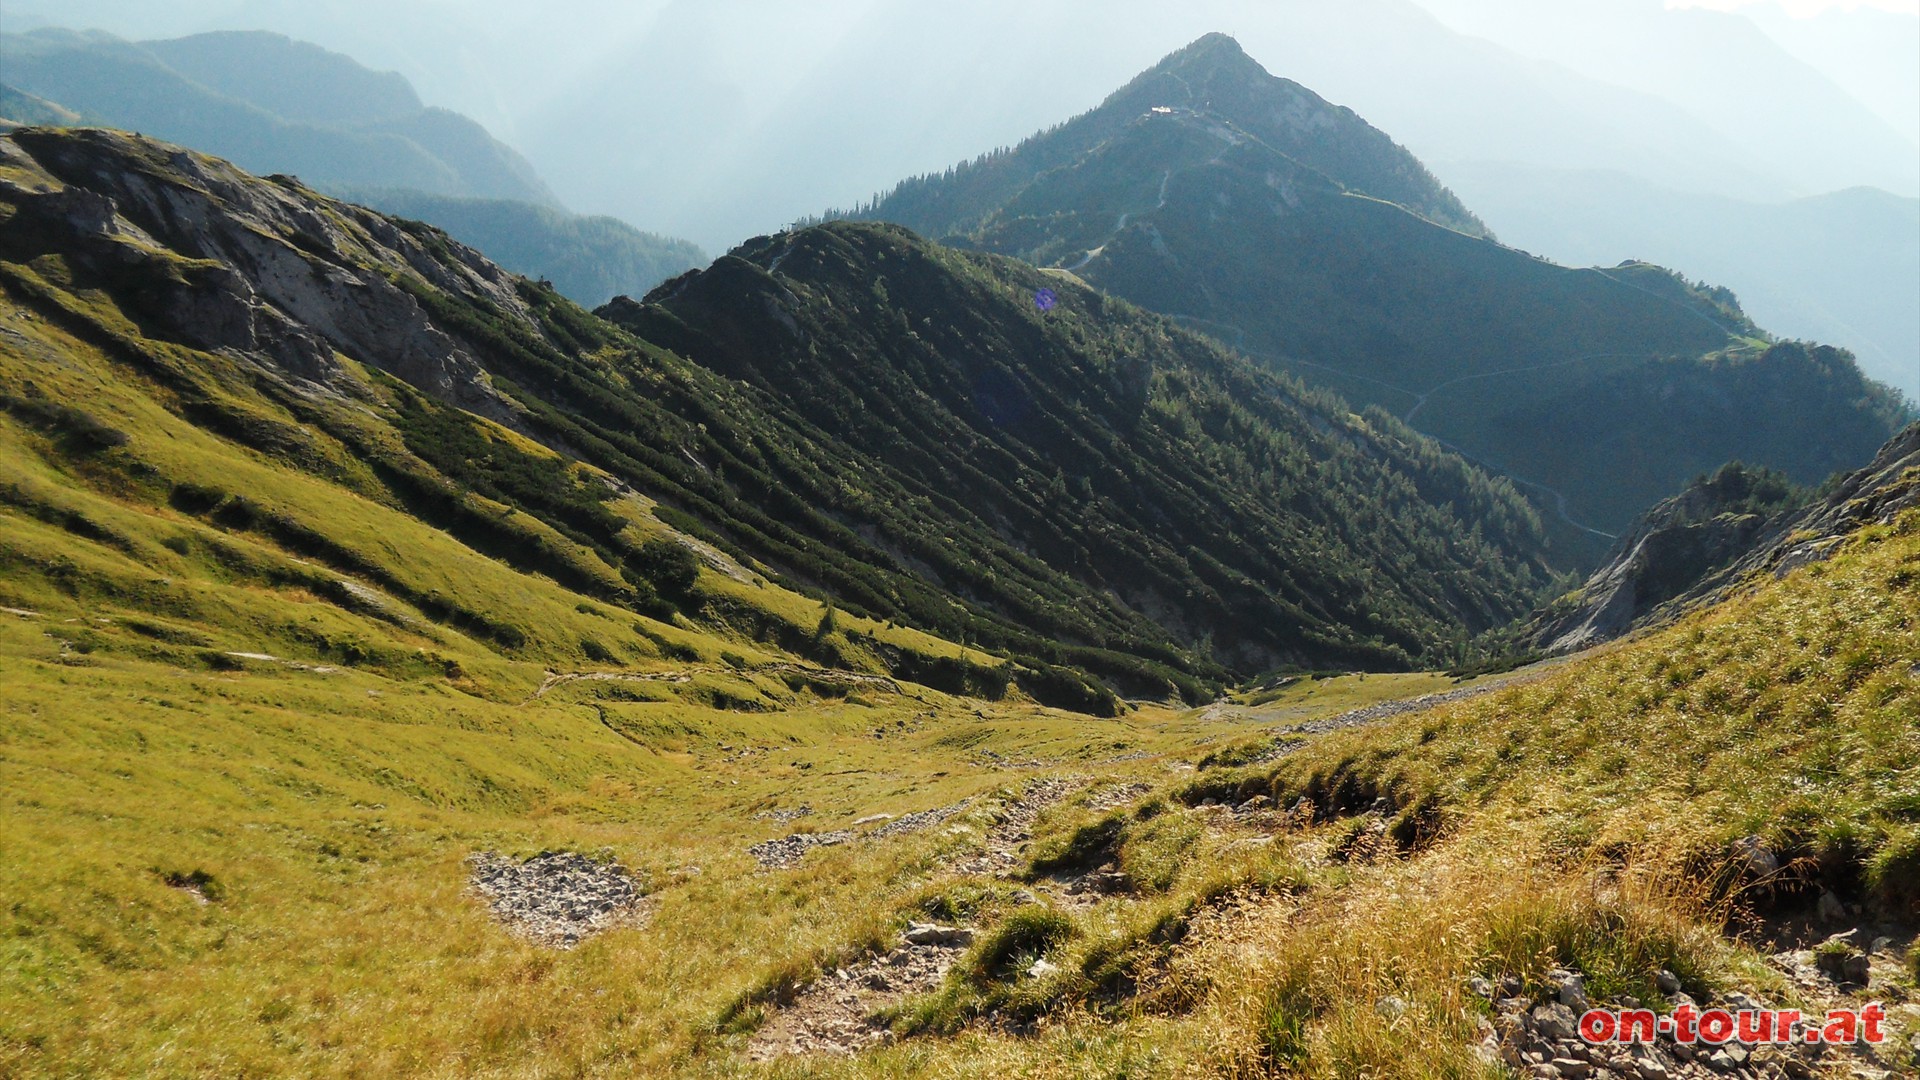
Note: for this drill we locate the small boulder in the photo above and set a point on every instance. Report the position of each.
(1571, 989)
(1555, 1022)
(1753, 853)
(1843, 963)
(934, 934)
(1851, 939)
(1830, 909)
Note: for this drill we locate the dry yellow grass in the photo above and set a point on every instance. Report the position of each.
(332, 812)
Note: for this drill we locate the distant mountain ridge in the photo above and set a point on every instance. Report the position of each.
(276, 105)
(1189, 213)
(396, 143)
(1842, 268)
(292, 79)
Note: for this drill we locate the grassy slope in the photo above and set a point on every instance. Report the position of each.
(330, 793)
(1583, 819)
(331, 812)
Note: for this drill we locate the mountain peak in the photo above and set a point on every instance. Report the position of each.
(1212, 68)
(1210, 50)
(1212, 79)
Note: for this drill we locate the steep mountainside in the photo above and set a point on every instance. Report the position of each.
(1140, 461)
(1182, 208)
(276, 105)
(1723, 531)
(1120, 476)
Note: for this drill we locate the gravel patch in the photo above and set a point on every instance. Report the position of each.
(556, 898)
(785, 852)
(1385, 709)
(912, 823)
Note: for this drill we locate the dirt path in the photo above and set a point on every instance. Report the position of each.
(1279, 717)
(1007, 838)
(785, 852)
(1374, 713)
(834, 676)
(836, 1014)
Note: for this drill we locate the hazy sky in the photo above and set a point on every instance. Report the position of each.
(1802, 9)
(719, 119)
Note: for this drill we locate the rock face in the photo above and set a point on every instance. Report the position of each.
(271, 271)
(556, 898)
(1696, 547)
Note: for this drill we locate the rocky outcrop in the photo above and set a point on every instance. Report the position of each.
(1696, 547)
(217, 260)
